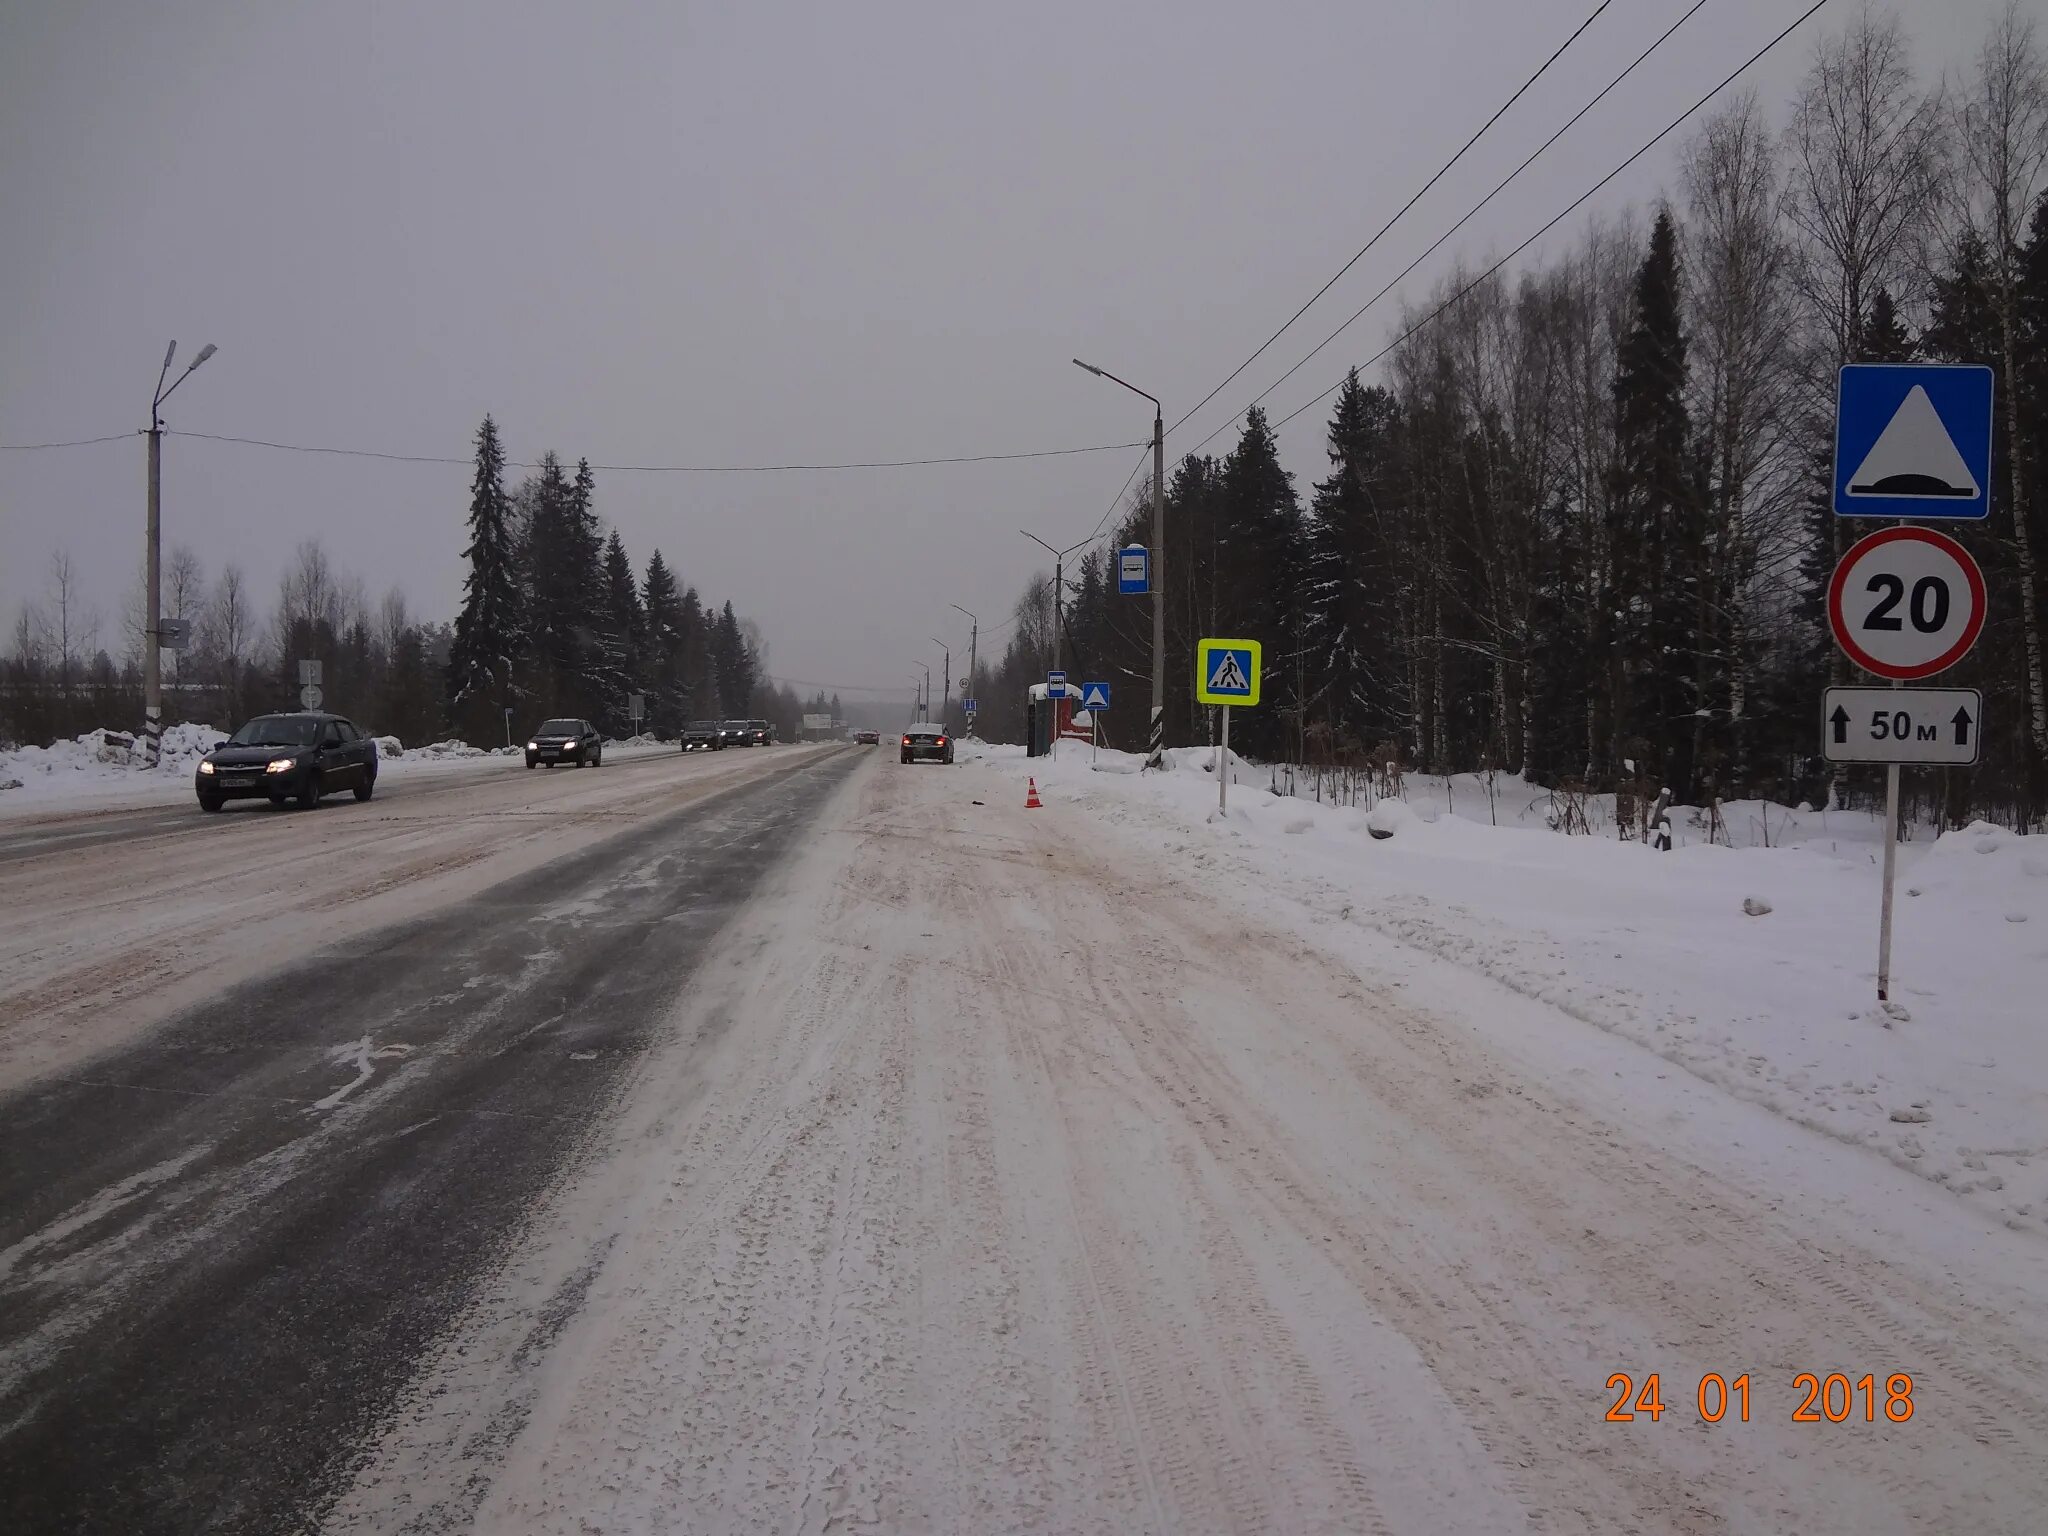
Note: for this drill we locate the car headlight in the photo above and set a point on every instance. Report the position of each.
(281, 765)
(533, 746)
(205, 767)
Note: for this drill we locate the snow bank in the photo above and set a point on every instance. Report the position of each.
(1751, 967)
(101, 762)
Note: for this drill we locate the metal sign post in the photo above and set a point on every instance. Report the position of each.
(1227, 672)
(1912, 440)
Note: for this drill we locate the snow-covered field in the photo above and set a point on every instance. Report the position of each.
(102, 771)
(1100, 1168)
(1778, 1008)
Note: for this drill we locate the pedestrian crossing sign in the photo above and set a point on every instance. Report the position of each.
(1227, 671)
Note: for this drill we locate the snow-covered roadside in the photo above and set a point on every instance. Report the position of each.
(99, 770)
(1776, 1008)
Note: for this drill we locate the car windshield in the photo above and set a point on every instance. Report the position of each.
(925, 730)
(560, 728)
(276, 731)
(735, 725)
(703, 725)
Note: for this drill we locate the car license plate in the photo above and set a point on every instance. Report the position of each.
(238, 780)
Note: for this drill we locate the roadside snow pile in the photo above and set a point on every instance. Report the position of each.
(113, 757)
(1388, 817)
(446, 749)
(389, 746)
(1671, 952)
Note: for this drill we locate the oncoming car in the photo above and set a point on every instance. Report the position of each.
(288, 757)
(927, 743)
(701, 736)
(565, 741)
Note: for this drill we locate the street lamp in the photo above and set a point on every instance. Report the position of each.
(945, 681)
(152, 657)
(1059, 588)
(973, 643)
(925, 707)
(1155, 755)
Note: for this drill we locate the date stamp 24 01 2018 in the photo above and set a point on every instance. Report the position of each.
(1831, 1399)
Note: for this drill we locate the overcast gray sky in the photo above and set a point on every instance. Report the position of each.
(741, 233)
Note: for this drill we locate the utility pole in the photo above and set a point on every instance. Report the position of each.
(945, 679)
(1156, 750)
(1059, 587)
(152, 653)
(973, 642)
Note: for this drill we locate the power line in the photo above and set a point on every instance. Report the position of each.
(1473, 212)
(671, 469)
(1569, 210)
(1375, 240)
(82, 442)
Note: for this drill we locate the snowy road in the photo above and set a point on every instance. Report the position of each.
(990, 1182)
(224, 1244)
(992, 1171)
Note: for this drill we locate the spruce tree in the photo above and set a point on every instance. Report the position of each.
(1657, 535)
(1349, 572)
(733, 660)
(1259, 547)
(488, 630)
(668, 691)
(623, 632)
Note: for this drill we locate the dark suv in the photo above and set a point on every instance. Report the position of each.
(565, 741)
(288, 757)
(760, 734)
(701, 735)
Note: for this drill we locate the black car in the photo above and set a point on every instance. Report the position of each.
(288, 757)
(868, 738)
(927, 742)
(760, 734)
(701, 735)
(736, 733)
(565, 741)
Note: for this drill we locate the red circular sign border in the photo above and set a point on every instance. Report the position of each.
(1948, 658)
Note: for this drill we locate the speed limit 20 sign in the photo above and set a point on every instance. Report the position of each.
(1906, 603)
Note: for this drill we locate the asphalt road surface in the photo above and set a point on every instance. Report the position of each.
(225, 1241)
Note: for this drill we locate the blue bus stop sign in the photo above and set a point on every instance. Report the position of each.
(1913, 440)
(1133, 570)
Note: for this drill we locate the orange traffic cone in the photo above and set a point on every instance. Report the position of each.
(1031, 801)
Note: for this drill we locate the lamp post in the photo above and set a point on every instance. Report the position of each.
(925, 705)
(1059, 588)
(945, 678)
(1155, 752)
(973, 646)
(152, 656)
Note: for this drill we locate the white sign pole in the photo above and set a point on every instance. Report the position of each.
(1891, 860)
(1223, 768)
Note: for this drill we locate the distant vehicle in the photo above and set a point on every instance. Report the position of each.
(760, 734)
(299, 756)
(868, 738)
(735, 733)
(565, 741)
(701, 736)
(928, 743)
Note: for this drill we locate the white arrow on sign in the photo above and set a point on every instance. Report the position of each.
(1931, 727)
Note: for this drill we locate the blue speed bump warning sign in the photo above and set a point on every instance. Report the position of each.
(1913, 440)
(1094, 696)
(1227, 671)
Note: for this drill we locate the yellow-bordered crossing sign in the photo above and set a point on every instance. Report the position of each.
(1227, 671)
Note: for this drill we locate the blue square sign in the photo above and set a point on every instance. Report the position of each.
(1133, 570)
(1913, 440)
